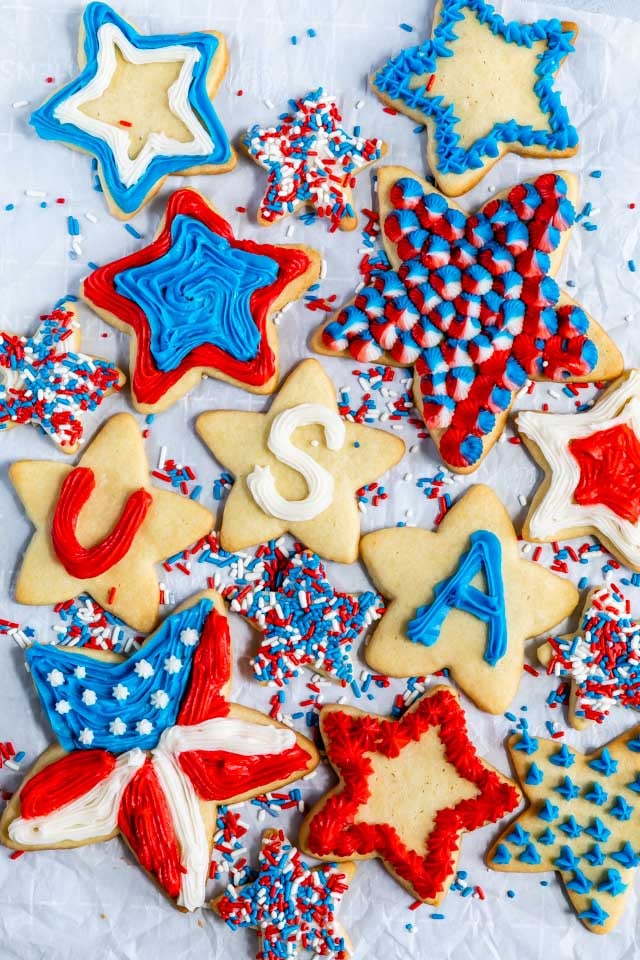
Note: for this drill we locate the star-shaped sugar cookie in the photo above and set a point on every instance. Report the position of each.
(601, 658)
(297, 467)
(469, 301)
(149, 745)
(287, 895)
(199, 302)
(592, 471)
(311, 161)
(141, 106)
(45, 379)
(101, 526)
(408, 790)
(462, 598)
(582, 821)
(483, 87)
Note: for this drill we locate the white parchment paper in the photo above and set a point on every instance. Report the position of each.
(96, 901)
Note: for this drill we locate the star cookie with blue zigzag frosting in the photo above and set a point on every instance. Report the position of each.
(148, 746)
(483, 87)
(582, 820)
(142, 106)
(470, 302)
(198, 302)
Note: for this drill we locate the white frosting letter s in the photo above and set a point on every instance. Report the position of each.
(320, 482)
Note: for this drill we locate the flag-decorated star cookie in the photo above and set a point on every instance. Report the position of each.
(408, 790)
(592, 471)
(304, 620)
(581, 820)
(297, 467)
(148, 746)
(310, 161)
(141, 106)
(471, 304)
(462, 598)
(45, 379)
(199, 302)
(101, 526)
(483, 87)
(292, 907)
(601, 658)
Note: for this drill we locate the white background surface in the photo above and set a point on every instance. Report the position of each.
(96, 901)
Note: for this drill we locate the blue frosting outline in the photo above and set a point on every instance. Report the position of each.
(233, 275)
(129, 199)
(102, 677)
(456, 592)
(394, 77)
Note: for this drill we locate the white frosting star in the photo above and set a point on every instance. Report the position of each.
(120, 691)
(144, 727)
(159, 699)
(173, 664)
(80, 673)
(85, 737)
(89, 697)
(55, 678)
(117, 727)
(63, 706)
(144, 669)
(189, 637)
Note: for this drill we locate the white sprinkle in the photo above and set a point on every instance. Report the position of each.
(91, 217)
(359, 104)
(35, 193)
(19, 103)
(268, 104)
(323, 269)
(290, 230)
(522, 500)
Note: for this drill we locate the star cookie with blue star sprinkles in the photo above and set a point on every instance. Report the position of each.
(470, 302)
(482, 87)
(141, 106)
(581, 820)
(148, 747)
(45, 379)
(199, 302)
(409, 789)
(311, 161)
(463, 598)
(101, 527)
(591, 462)
(292, 907)
(304, 620)
(297, 467)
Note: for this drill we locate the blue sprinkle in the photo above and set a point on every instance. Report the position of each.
(10, 206)
(311, 32)
(132, 231)
(406, 27)
(632, 266)
(73, 226)
(294, 40)
(437, 916)
(596, 174)
(511, 894)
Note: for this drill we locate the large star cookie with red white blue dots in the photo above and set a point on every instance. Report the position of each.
(101, 526)
(148, 747)
(482, 86)
(601, 659)
(592, 471)
(198, 302)
(45, 379)
(409, 789)
(469, 302)
(289, 896)
(311, 161)
(581, 820)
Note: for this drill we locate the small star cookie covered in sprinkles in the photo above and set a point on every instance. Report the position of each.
(46, 381)
(291, 906)
(303, 619)
(311, 160)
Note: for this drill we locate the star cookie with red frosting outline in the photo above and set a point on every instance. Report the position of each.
(579, 480)
(154, 389)
(408, 790)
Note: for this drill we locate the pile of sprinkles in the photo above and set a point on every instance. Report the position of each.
(82, 623)
(291, 906)
(603, 657)
(229, 852)
(44, 383)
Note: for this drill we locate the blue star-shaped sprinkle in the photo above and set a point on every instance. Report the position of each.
(595, 915)
(605, 763)
(626, 856)
(596, 795)
(620, 809)
(526, 744)
(411, 82)
(613, 884)
(595, 856)
(567, 859)
(534, 776)
(547, 838)
(598, 831)
(563, 758)
(502, 855)
(568, 789)
(530, 855)
(129, 181)
(518, 836)
(571, 827)
(580, 883)
(549, 811)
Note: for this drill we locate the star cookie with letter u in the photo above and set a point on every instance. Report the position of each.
(483, 87)
(408, 790)
(148, 746)
(101, 526)
(462, 598)
(199, 302)
(592, 471)
(297, 467)
(141, 106)
(582, 821)
(470, 302)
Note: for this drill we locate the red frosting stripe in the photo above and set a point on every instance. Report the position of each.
(348, 739)
(145, 821)
(64, 781)
(149, 384)
(211, 672)
(609, 462)
(82, 562)
(221, 776)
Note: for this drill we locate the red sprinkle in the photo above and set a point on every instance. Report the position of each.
(531, 670)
